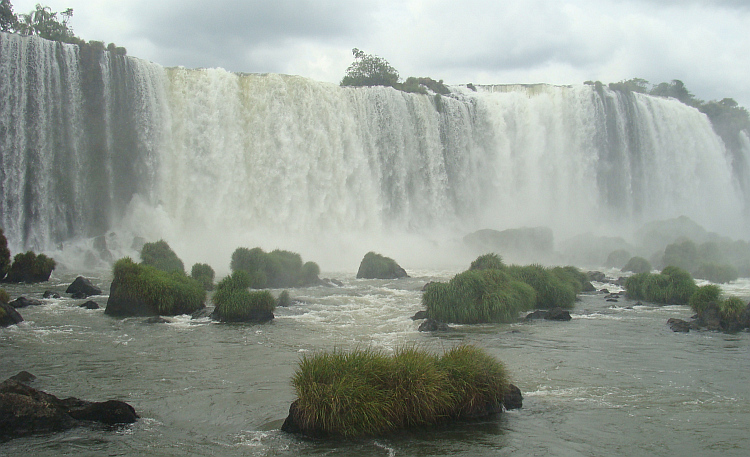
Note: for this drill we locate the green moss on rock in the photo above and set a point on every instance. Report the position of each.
(376, 266)
(236, 303)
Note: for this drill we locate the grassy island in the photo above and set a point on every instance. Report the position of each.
(366, 392)
(236, 303)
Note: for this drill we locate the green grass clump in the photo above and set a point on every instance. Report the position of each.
(731, 309)
(236, 303)
(637, 265)
(551, 291)
(164, 293)
(704, 297)
(574, 277)
(365, 392)
(673, 286)
(376, 266)
(4, 296)
(284, 299)
(160, 256)
(4, 255)
(478, 296)
(30, 267)
(204, 274)
(489, 261)
(275, 269)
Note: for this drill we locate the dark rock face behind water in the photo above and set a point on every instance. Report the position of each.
(25, 410)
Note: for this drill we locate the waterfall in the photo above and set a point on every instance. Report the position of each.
(93, 142)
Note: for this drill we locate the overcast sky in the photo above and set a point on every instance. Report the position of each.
(704, 43)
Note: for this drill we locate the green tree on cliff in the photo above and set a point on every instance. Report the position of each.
(45, 23)
(8, 20)
(369, 70)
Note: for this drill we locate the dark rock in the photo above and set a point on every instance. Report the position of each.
(9, 315)
(50, 294)
(25, 410)
(156, 320)
(538, 314)
(254, 317)
(588, 287)
(604, 291)
(376, 266)
(597, 276)
(419, 316)
(83, 285)
(24, 377)
(679, 325)
(78, 296)
(431, 325)
(335, 282)
(621, 281)
(558, 314)
(23, 302)
(612, 295)
(424, 288)
(201, 313)
(89, 305)
(612, 300)
(513, 399)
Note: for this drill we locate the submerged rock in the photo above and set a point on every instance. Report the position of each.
(431, 325)
(9, 316)
(25, 410)
(554, 314)
(89, 305)
(23, 302)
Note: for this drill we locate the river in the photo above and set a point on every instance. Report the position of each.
(615, 380)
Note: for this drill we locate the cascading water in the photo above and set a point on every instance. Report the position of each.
(93, 142)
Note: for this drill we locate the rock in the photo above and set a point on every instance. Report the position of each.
(24, 377)
(597, 276)
(156, 320)
(376, 266)
(89, 305)
(201, 313)
(9, 316)
(424, 288)
(419, 316)
(588, 287)
(604, 291)
(431, 325)
(558, 314)
(25, 410)
(23, 302)
(332, 282)
(612, 300)
(50, 294)
(538, 314)
(513, 398)
(83, 285)
(679, 325)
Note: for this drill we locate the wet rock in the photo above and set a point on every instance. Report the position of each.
(597, 276)
(23, 302)
(612, 300)
(513, 399)
(156, 320)
(25, 410)
(9, 316)
(558, 314)
(431, 325)
(679, 325)
(538, 314)
(24, 377)
(84, 286)
(419, 316)
(50, 294)
(89, 305)
(201, 313)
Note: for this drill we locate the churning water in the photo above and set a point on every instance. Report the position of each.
(614, 381)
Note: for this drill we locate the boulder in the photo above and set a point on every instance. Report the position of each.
(597, 276)
(538, 314)
(376, 266)
(9, 315)
(558, 314)
(82, 285)
(419, 316)
(50, 294)
(89, 305)
(431, 325)
(23, 302)
(25, 410)
(679, 325)
(513, 399)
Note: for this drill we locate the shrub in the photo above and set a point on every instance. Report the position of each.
(365, 392)
(29, 267)
(376, 266)
(489, 261)
(551, 292)
(284, 299)
(369, 70)
(4, 255)
(637, 265)
(204, 274)
(731, 309)
(275, 269)
(574, 277)
(717, 273)
(4, 296)
(160, 256)
(672, 286)
(235, 303)
(478, 296)
(705, 297)
(139, 289)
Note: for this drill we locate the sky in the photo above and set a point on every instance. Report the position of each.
(704, 43)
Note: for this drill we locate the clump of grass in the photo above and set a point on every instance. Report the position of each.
(275, 269)
(574, 277)
(4, 296)
(365, 392)
(637, 265)
(30, 267)
(551, 291)
(704, 297)
(489, 261)
(204, 274)
(731, 309)
(673, 286)
(163, 293)
(284, 299)
(160, 256)
(236, 303)
(477, 296)
(376, 266)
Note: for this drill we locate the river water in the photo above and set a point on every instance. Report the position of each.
(613, 381)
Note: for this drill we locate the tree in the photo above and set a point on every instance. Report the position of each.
(8, 20)
(44, 22)
(676, 89)
(369, 70)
